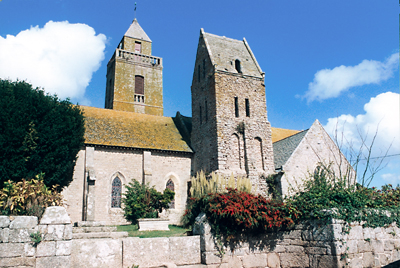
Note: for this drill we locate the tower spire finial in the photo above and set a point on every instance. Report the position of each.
(135, 12)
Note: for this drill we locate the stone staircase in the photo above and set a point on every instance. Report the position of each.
(95, 229)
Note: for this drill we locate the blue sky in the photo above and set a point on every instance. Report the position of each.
(335, 61)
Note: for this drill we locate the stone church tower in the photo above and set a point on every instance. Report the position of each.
(134, 76)
(231, 132)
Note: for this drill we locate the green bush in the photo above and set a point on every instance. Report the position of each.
(28, 197)
(142, 201)
(324, 198)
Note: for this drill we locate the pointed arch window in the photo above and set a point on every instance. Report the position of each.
(170, 185)
(116, 191)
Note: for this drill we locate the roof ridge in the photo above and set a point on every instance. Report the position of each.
(223, 37)
(298, 133)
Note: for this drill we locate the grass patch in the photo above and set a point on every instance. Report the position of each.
(134, 232)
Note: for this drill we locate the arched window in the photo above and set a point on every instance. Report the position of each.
(170, 185)
(139, 85)
(259, 153)
(116, 191)
(234, 155)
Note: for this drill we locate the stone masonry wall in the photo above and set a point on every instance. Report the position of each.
(128, 165)
(58, 249)
(307, 245)
(54, 250)
(126, 252)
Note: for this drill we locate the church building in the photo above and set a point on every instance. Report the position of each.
(228, 132)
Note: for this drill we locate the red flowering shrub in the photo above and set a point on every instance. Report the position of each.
(237, 212)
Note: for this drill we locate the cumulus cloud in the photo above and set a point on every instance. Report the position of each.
(391, 178)
(60, 57)
(330, 83)
(381, 114)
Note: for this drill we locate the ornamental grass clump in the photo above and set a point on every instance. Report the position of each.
(216, 183)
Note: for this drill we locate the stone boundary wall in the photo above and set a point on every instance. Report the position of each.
(145, 252)
(307, 245)
(58, 249)
(18, 250)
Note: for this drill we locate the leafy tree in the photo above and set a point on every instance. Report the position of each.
(38, 134)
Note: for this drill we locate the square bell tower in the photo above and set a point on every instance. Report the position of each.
(134, 76)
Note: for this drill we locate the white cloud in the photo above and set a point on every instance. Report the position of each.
(330, 83)
(391, 178)
(382, 114)
(60, 57)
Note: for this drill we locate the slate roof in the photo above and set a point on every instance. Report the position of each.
(134, 130)
(284, 148)
(281, 133)
(224, 51)
(135, 31)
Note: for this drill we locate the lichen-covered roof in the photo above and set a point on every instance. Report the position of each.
(281, 133)
(284, 148)
(184, 125)
(134, 130)
(224, 51)
(135, 31)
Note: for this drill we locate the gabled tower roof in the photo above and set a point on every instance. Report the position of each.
(135, 31)
(224, 51)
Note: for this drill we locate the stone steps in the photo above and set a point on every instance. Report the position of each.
(94, 235)
(93, 230)
(99, 229)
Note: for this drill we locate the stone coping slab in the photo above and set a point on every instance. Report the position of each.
(90, 224)
(55, 215)
(153, 225)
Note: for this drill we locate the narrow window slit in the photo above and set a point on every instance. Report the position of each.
(236, 107)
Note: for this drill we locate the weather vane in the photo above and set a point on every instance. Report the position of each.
(135, 9)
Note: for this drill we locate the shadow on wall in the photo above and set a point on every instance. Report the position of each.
(395, 264)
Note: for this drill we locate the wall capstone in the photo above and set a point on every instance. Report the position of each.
(55, 215)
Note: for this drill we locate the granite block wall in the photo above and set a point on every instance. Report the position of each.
(306, 245)
(17, 248)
